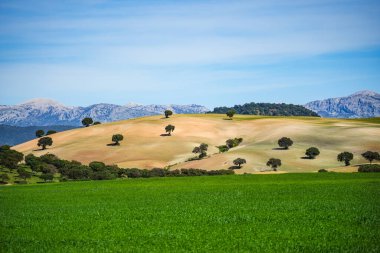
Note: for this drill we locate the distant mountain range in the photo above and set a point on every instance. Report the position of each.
(362, 104)
(45, 112)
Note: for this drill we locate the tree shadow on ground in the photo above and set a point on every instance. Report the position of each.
(279, 149)
(227, 119)
(307, 158)
(113, 144)
(165, 135)
(234, 168)
(39, 149)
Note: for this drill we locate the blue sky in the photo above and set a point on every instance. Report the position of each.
(205, 52)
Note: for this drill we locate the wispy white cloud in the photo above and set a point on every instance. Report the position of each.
(200, 32)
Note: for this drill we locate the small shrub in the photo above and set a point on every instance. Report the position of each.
(322, 170)
(40, 133)
(193, 159)
(223, 148)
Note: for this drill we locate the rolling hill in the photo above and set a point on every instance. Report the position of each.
(144, 147)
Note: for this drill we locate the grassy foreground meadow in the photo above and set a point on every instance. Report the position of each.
(324, 212)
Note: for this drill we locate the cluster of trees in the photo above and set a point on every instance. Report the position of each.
(268, 109)
(346, 157)
(157, 172)
(47, 165)
(50, 164)
(10, 158)
(89, 121)
(274, 163)
(230, 143)
(40, 133)
(44, 141)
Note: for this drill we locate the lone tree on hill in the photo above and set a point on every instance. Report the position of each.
(168, 113)
(40, 133)
(169, 129)
(312, 152)
(45, 141)
(230, 113)
(87, 121)
(285, 142)
(51, 132)
(239, 162)
(345, 157)
(201, 150)
(274, 163)
(370, 156)
(116, 138)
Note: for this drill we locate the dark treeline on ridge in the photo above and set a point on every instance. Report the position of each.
(268, 109)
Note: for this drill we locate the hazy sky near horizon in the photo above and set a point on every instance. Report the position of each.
(205, 52)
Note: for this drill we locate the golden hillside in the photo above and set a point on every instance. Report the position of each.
(144, 147)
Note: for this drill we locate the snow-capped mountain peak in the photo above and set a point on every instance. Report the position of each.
(44, 112)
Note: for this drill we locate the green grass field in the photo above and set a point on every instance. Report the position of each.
(324, 212)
